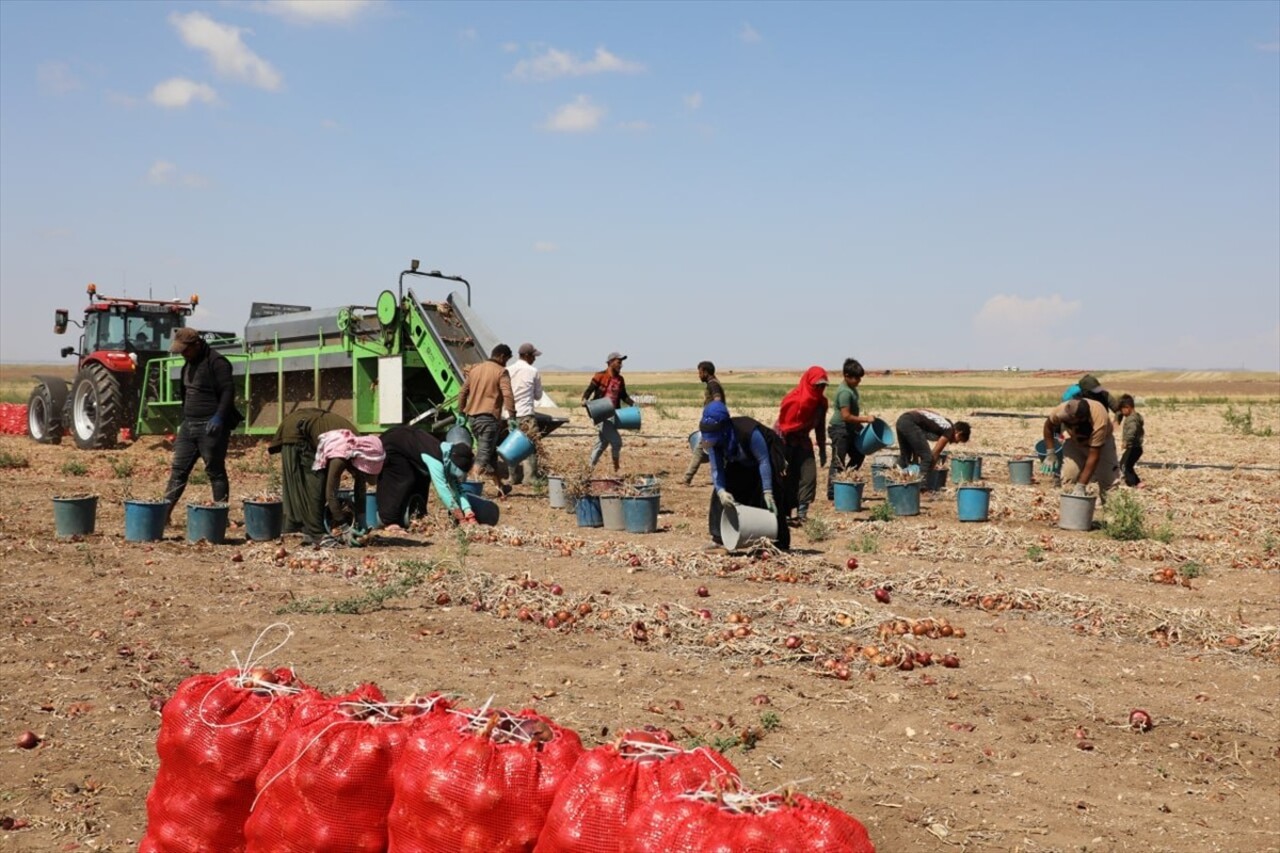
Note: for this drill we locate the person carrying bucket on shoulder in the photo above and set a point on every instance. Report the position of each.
(1089, 453)
(416, 460)
(608, 384)
(302, 487)
(846, 424)
(915, 429)
(340, 451)
(804, 411)
(712, 392)
(486, 392)
(747, 462)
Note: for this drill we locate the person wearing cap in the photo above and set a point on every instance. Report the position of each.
(916, 428)
(415, 461)
(608, 383)
(803, 411)
(302, 488)
(712, 391)
(208, 417)
(485, 394)
(338, 452)
(1089, 451)
(526, 388)
(1090, 388)
(747, 460)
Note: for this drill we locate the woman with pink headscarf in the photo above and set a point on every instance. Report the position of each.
(339, 451)
(803, 410)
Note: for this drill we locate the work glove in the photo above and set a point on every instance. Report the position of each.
(458, 515)
(726, 499)
(214, 426)
(1079, 491)
(769, 504)
(513, 425)
(1048, 466)
(822, 456)
(913, 470)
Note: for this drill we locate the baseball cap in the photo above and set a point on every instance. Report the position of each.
(183, 338)
(529, 349)
(619, 356)
(1089, 382)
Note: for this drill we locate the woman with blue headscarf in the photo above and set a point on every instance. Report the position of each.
(415, 460)
(747, 463)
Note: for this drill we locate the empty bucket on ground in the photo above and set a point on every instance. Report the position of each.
(1020, 471)
(905, 498)
(555, 492)
(742, 525)
(75, 515)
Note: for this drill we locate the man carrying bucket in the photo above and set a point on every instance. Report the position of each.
(712, 392)
(485, 393)
(1089, 454)
(846, 425)
(608, 384)
(747, 461)
(526, 388)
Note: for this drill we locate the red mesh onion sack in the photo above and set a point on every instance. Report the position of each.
(479, 782)
(327, 788)
(611, 781)
(216, 733)
(706, 821)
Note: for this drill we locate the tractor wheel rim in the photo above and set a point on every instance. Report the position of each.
(85, 413)
(37, 417)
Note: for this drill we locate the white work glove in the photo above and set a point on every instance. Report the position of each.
(726, 499)
(768, 502)
(1079, 491)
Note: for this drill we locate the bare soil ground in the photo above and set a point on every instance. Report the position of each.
(1025, 746)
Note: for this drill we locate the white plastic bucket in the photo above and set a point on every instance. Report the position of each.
(742, 525)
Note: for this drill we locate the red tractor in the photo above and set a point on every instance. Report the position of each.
(121, 335)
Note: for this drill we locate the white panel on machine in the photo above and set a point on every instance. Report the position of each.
(391, 390)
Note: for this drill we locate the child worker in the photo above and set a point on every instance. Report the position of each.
(916, 427)
(846, 424)
(1132, 433)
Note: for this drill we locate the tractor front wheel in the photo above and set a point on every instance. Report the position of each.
(96, 408)
(43, 423)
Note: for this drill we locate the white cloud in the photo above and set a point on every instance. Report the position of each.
(558, 63)
(1003, 314)
(178, 92)
(693, 102)
(579, 116)
(544, 247)
(636, 126)
(229, 54)
(747, 34)
(163, 173)
(315, 11)
(56, 78)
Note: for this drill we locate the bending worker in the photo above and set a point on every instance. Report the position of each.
(415, 460)
(916, 427)
(1089, 453)
(747, 461)
(302, 488)
(341, 451)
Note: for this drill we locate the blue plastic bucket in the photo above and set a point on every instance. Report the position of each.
(648, 485)
(588, 511)
(627, 418)
(263, 520)
(516, 447)
(905, 498)
(641, 513)
(876, 435)
(487, 512)
(144, 520)
(473, 488)
(848, 496)
(973, 503)
(1042, 451)
(935, 480)
(1020, 471)
(208, 522)
(75, 516)
(964, 469)
(600, 410)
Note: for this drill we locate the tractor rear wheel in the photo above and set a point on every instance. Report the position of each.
(96, 408)
(43, 423)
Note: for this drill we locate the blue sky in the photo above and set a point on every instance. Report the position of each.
(763, 184)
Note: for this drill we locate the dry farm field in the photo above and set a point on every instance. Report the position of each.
(789, 663)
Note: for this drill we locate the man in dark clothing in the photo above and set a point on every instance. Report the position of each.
(302, 488)
(208, 417)
(747, 463)
(713, 392)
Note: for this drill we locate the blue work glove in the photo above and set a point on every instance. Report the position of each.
(214, 426)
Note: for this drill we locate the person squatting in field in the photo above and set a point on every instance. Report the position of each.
(747, 461)
(1089, 451)
(608, 383)
(486, 392)
(916, 427)
(415, 461)
(302, 488)
(341, 451)
(846, 424)
(803, 410)
(712, 392)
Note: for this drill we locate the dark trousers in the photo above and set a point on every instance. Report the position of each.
(744, 484)
(191, 444)
(402, 487)
(1130, 458)
(302, 490)
(844, 453)
(914, 446)
(801, 483)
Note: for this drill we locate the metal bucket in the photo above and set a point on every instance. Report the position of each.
(627, 418)
(263, 520)
(1020, 471)
(1075, 512)
(144, 520)
(611, 513)
(207, 522)
(905, 498)
(847, 496)
(75, 516)
(600, 410)
(641, 513)
(876, 435)
(742, 525)
(973, 503)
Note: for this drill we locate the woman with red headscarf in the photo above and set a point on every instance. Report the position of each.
(803, 410)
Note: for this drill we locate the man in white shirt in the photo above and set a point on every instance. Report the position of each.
(526, 387)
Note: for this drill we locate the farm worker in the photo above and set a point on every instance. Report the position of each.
(526, 389)
(1089, 454)
(302, 488)
(608, 383)
(415, 460)
(846, 424)
(747, 460)
(208, 417)
(485, 393)
(803, 410)
(916, 427)
(712, 392)
(340, 451)
(1132, 433)
(1090, 388)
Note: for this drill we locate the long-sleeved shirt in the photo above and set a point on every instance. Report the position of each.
(486, 391)
(305, 426)
(208, 387)
(754, 451)
(606, 384)
(451, 494)
(526, 386)
(1133, 431)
